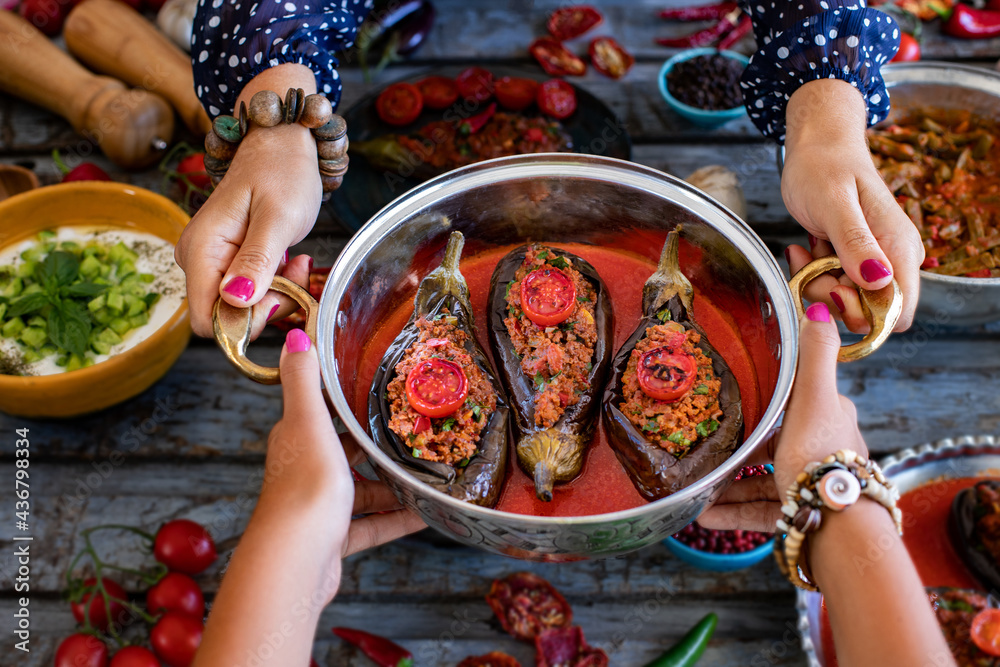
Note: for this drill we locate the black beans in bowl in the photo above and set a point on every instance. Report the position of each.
(707, 82)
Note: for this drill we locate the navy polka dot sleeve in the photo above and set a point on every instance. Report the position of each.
(804, 40)
(235, 40)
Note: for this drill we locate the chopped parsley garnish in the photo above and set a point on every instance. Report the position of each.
(507, 293)
(543, 254)
(566, 326)
(589, 366)
(651, 426)
(413, 437)
(448, 423)
(477, 410)
(437, 317)
(559, 262)
(664, 315)
(416, 453)
(955, 605)
(582, 299)
(678, 438)
(464, 462)
(701, 389)
(707, 427)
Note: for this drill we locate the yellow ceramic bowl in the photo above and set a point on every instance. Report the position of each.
(123, 375)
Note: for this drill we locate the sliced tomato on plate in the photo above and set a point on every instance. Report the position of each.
(436, 387)
(666, 375)
(571, 22)
(557, 98)
(399, 104)
(986, 631)
(475, 84)
(515, 93)
(548, 296)
(556, 59)
(439, 92)
(610, 58)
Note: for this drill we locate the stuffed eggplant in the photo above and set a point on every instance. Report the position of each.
(551, 332)
(975, 531)
(435, 405)
(672, 408)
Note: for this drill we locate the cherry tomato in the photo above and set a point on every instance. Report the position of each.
(439, 92)
(986, 631)
(88, 171)
(666, 376)
(548, 296)
(909, 49)
(93, 603)
(570, 22)
(193, 168)
(184, 546)
(436, 387)
(82, 651)
(399, 104)
(515, 93)
(475, 84)
(46, 15)
(557, 98)
(175, 638)
(176, 592)
(134, 656)
(610, 58)
(556, 59)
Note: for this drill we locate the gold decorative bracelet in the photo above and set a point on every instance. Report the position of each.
(267, 110)
(835, 483)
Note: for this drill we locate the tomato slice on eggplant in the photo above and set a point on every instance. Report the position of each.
(974, 527)
(547, 296)
(666, 375)
(436, 387)
(654, 471)
(551, 455)
(481, 480)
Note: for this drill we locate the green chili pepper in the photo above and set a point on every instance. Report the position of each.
(689, 649)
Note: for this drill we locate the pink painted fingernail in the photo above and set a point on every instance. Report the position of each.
(297, 340)
(873, 270)
(310, 265)
(837, 301)
(285, 258)
(813, 241)
(788, 254)
(818, 312)
(240, 287)
(274, 309)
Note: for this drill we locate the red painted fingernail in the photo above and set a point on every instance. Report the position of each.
(285, 258)
(274, 309)
(310, 265)
(818, 312)
(240, 287)
(873, 270)
(788, 254)
(837, 301)
(297, 341)
(813, 241)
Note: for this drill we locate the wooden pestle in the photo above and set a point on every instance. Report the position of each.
(112, 38)
(132, 127)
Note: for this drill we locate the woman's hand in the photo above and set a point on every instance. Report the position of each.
(831, 186)
(818, 422)
(267, 202)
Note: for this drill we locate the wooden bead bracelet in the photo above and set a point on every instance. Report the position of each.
(267, 110)
(835, 483)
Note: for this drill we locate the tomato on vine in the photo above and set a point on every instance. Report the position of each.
(98, 611)
(184, 546)
(175, 638)
(82, 650)
(176, 592)
(134, 656)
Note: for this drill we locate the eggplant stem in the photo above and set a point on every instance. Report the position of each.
(669, 280)
(543, 481)
(445, 280)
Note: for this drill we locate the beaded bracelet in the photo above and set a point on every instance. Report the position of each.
(835, 483)
(267, 110)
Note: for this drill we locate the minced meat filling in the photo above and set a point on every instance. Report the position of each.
(451, 439)
(557, 359)
(955, 609)
(676, 426)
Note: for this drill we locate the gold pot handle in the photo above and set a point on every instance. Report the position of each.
(232, 329)
(882, 307)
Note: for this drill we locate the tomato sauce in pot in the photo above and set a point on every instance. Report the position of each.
(603, 486)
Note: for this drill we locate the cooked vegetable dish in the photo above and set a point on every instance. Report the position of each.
(944, 170)
(955, 609)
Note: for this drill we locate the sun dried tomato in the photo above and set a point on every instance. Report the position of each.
(566, 647)
(527, 605)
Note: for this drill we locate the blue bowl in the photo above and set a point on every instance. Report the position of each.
(702, 117)
(705, 560)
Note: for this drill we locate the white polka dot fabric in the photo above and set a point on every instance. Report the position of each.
(235, 40)
(805, 41)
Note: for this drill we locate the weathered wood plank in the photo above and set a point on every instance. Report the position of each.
(440, 635)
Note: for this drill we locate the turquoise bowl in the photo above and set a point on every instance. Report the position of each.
(701, 117)
(705, 560)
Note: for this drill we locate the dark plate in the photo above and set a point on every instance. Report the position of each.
(594, 129)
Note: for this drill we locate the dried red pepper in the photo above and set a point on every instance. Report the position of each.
(571, 22)
(491, 659)
(968, 23)
(382, 651)
(527, 605)
(610, 58)
(701, 37)
(566, 647)
(475, 123)
(556, 59)
(741, 30)
(699, 13)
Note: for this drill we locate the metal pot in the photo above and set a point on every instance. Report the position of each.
(556, 198)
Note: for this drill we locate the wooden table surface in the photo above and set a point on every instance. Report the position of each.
(193, 443)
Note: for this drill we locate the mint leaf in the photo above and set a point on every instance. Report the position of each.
(69, 327)
(60, 267)
(87, 290)
(27, 304)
